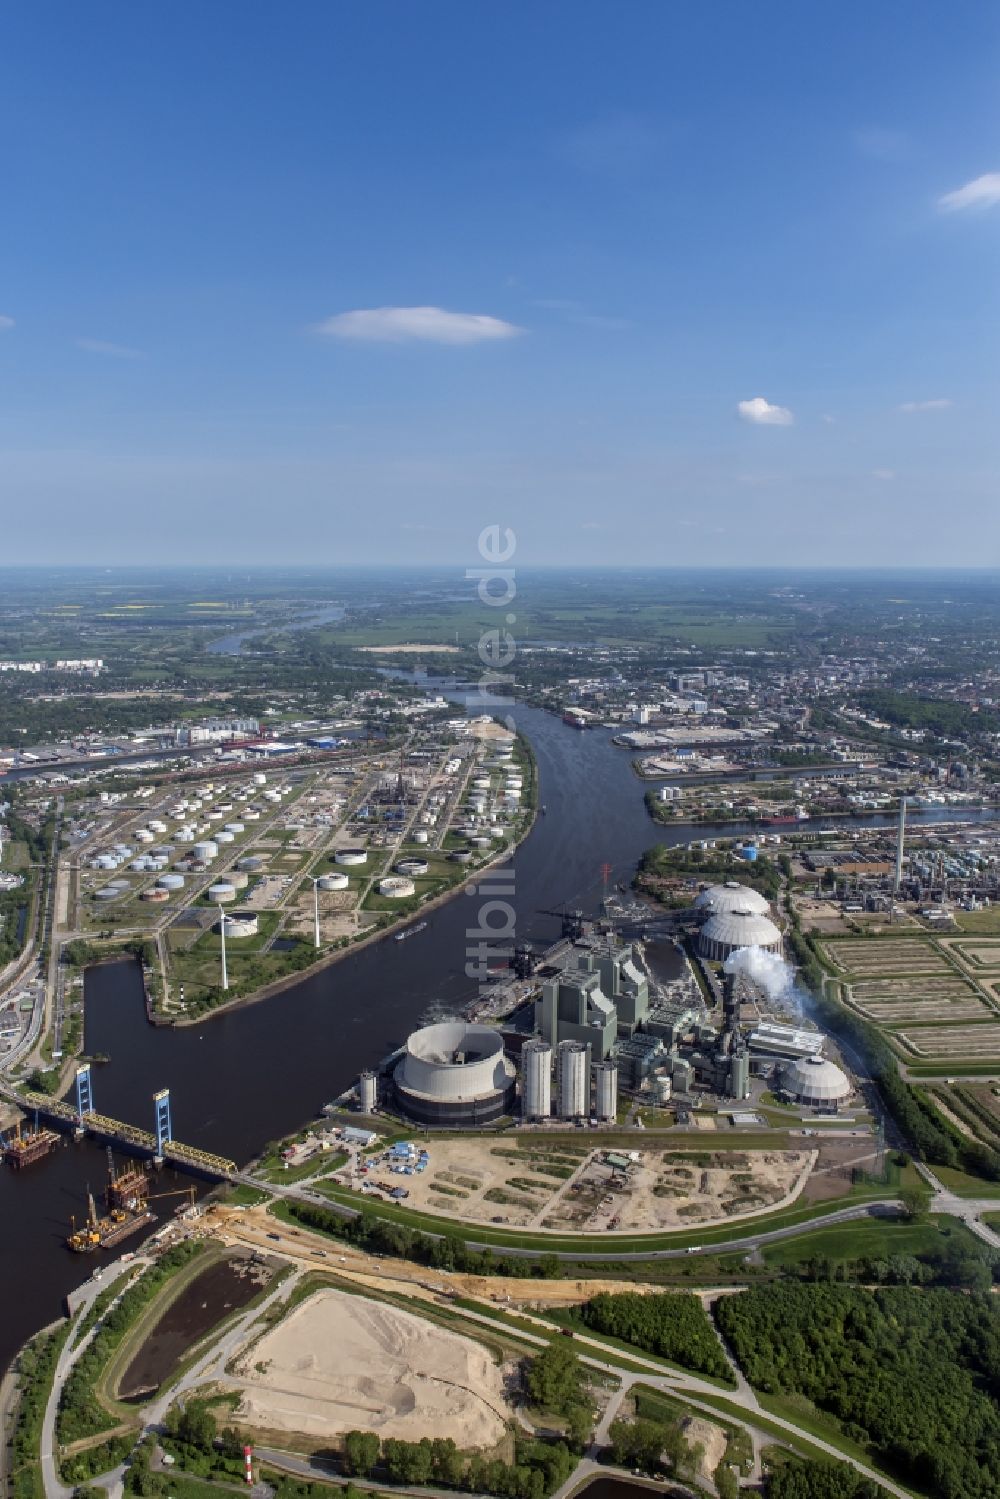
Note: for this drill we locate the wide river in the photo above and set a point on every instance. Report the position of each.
(259, 1072)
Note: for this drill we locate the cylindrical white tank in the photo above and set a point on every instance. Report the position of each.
(536, 1080)
(171, 882)
(368, 1092)
(238, 878)
(206, 849)
(606, 1090)
(574, 1093)
(223, 837)
(333, 881)
(412, 867)
(351, 856)
(259, 778)
(396, 887)
(221, 892)
(234, 827)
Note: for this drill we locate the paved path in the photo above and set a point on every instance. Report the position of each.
(88, 1294)
(968, 1209)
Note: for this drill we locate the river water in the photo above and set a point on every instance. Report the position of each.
(254, 1074)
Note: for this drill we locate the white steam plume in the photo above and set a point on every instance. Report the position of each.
(766, 969)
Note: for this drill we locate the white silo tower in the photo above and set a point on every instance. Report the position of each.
(573, 1069)
(606, 1089)
(536, 1080)
(368, 1092)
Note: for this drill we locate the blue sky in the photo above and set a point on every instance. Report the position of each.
(644, 280)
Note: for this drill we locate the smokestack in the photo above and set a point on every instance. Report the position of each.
(900, 836)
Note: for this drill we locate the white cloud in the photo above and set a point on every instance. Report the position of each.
(112, 351)
(941, 404)
(6, 322)
(764, 414)
(417, 324)
(981, 192)
(883, 473)
(831, 421)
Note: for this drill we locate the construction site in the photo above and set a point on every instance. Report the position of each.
(127, 1210)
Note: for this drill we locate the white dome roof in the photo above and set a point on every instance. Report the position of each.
(740, 928)
(816, 1080)
(731, 897)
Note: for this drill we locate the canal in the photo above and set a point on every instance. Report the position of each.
(252, 1075)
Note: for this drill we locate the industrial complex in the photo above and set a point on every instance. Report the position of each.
(592, 1033)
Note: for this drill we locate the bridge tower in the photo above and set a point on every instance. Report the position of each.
(84, 1092)
(164, 1128)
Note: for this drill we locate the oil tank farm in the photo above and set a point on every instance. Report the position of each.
(454, 1074)
(536, 1080)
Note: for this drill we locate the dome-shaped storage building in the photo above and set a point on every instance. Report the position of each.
(731, 897)
(816, 1081)
(455, 1074)
(725, 932)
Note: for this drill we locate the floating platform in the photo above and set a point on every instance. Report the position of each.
(26, 1149)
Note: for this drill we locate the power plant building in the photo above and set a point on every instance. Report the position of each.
(596, 997)
(573, 1007)
(454, 1074)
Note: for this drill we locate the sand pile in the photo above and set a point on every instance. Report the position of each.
(340, 1363)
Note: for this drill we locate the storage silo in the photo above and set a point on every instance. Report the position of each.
(536, 1080)
(574, 1094)
(333, 881)
(606, 1089)
(221, 892)
(368, 1092)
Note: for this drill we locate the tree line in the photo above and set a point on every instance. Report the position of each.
(672, 1324)
(447, 1252)
(913, 1375)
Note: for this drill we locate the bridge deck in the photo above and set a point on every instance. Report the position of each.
(116, 1130)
